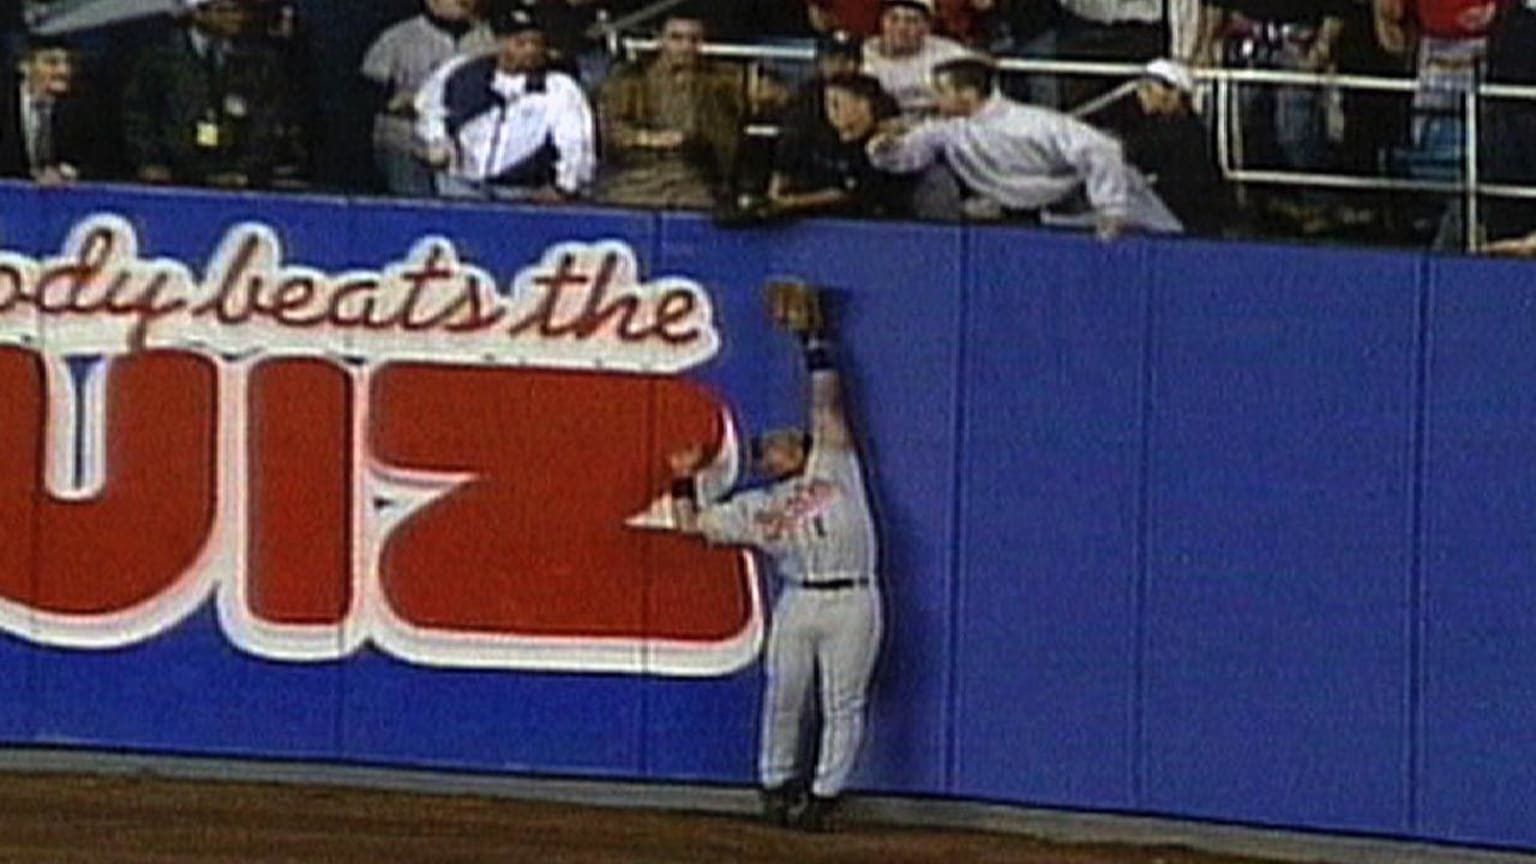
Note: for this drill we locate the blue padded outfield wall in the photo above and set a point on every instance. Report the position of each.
(1211, 530)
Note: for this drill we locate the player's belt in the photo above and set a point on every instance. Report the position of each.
(832, 584)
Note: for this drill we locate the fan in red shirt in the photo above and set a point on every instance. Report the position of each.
(1397, 21)
(1449, 43)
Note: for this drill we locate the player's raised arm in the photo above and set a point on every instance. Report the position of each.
(800, 309)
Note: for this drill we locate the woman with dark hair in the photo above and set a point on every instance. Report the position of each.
(822, 166)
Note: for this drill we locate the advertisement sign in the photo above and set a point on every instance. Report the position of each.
(414, 456)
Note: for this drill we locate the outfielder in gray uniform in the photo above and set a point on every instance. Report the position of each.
(814, 521)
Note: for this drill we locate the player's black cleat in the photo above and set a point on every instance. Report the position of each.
(819, 815)
(781, 804)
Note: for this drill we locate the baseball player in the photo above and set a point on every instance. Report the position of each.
(813, 520)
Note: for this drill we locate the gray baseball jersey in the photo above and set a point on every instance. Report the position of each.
(818, 529)
(815, 526)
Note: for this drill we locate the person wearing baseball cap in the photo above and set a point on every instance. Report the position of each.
(1168, 142)
(838, 52)
(204, 107)
(504, 126)
(1171, 75)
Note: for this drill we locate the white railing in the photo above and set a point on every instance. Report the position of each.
(1224, 82)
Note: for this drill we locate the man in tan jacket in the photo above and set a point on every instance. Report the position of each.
(670, 126)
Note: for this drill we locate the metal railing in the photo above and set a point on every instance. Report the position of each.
(1224, 84)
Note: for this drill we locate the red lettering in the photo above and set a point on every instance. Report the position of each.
(300, 456)
(11, 282)
(148, 307)
(675, 307)
(224, 304)
(290, 298)
(71, 279)
(536, 544)
(542, 318)
(365, 287)
(146, 528)
(472, 318)
(430, 271)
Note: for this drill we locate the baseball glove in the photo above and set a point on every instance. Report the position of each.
(795, 306)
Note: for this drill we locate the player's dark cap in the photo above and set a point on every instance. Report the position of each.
(840, 43)
(510, 17)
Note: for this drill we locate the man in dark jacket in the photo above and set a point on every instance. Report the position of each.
(822, 166)
(1169, 143)
(46, 126)
(205, 107)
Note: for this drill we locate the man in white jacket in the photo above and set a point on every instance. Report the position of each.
(503, 125)
(1017, 160)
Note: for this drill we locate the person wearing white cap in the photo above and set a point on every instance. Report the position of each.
(204, 107)
(1168, 142)
(1017, 160)
(1173, 75)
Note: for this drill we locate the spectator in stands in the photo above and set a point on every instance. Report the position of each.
(1020, 159)
(1097, 30)
(397, 64)
(838, 53)
(205, 107)
(1374, 121)
(906, 52)
(671, 125)
(1448, 40)
(774, 107)
(1170, 144)
(277, 25)
(47, 128)
(903, 58)
(1282, 126)
(503, 126)
(823, 167)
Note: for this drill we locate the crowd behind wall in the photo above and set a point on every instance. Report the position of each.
(322, 134)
